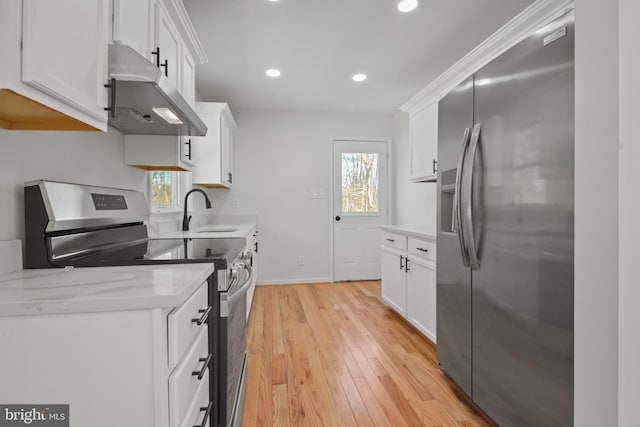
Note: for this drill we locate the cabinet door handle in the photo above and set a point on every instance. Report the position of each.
(406, 265)
(157, 54)
(230, 177)
(188, 144)
(434, 166)
(423, 249)
(112, 98)
(166, 67)
(256, 247)
(207, 362)
(203, 318)
(391, 240)
(401, 262)
(207, 413)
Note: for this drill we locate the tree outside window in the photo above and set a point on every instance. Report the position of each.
(360, 183)
(164, 187)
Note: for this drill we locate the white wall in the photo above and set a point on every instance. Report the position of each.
(596, 214)
(629, 215)
(414, 203)
(83, 157)
(280, 157)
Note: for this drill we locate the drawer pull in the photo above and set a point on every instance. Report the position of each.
(203, 318)
(207, 362)
(423, 249)
(206, 414)
(391, 240)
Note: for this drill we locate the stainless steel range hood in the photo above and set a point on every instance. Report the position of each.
(139, 90)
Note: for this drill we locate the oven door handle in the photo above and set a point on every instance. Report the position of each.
(228, 298)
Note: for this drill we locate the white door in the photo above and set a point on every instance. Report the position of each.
(360, 207)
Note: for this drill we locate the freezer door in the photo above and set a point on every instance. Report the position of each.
(453, 290)
(523, 218)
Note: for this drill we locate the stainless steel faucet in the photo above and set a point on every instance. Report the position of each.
(185, 218)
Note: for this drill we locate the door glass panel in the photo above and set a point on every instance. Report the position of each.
(360, 183)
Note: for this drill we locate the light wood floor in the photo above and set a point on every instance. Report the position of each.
(332, 354)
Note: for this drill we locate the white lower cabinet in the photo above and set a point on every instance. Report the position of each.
(114, 368)
(409, 280)
(394, 287)
(421, 293)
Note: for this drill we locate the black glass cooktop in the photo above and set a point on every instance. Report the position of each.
(221, 252)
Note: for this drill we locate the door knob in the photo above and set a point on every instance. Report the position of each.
(337, 217)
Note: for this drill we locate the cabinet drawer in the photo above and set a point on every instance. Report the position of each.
(185, 379)
(394, 241)
(422, 248)
(197, 411)
(185, 322)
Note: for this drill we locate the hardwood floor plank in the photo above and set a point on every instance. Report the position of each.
(280, 406)
(332, 354)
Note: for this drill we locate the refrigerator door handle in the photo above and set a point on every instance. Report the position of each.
(467, 214)
(457, 200)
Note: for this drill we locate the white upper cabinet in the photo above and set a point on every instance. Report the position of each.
(214, 152)
(169, 53)
(159, 152)
(134, 25)
(188, 73)
(160, 30)
(54, 52)
(423, 131)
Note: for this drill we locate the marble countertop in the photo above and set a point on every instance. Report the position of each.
(227, 230)
(76, 290)
(422, 232)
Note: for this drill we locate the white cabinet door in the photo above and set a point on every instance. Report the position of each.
(65, 51)
(394, 289)
(226, 154)
(421, 296)
(423, 131)
(133, 25)
(158, 152)
(188, 89)
(214, 151)
(170, 44)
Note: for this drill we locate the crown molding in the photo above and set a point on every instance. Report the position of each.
(529, 20)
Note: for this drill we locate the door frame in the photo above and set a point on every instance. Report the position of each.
(390, 185)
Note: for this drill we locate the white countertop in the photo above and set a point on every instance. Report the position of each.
(227, 230)
(56, 291)
(422, 232)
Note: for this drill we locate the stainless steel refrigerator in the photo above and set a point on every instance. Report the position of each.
(505, 232)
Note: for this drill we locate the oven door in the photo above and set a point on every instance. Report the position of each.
(233, 321)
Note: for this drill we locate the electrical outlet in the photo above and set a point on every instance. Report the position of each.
(300, 260)
(235, 203)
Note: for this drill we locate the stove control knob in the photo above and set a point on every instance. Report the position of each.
(245, 255)
(235, 270)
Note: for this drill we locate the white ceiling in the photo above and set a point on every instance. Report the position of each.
(319, 44)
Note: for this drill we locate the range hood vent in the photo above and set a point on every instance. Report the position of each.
(143, 101)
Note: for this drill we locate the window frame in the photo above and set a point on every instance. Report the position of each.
(181, 181)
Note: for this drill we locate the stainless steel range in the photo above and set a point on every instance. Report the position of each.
(86, 226)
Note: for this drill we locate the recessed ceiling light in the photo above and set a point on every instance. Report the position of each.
(274, 0)
(359, 77)
(273, 72)
(407, 5)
